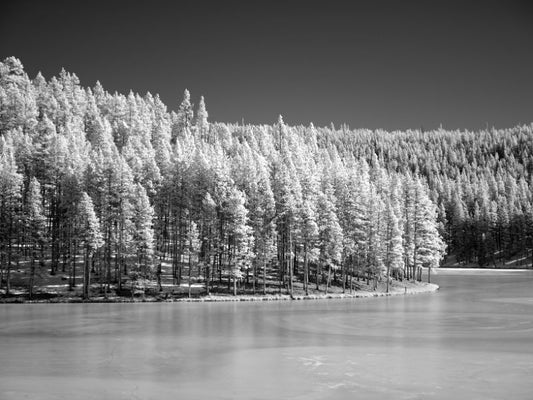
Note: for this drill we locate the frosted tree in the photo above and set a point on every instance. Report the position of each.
(374, 250)
(42, 138)
(161, 146)
(142, 234)
(90, 237)
(308, 217)
(428, 245)
(310, 239)
(330, 232)
(209, 238)
(182, 121)
(202, 126)
(407, 211)
(141, 159)
(192, 249)
(240, 239)
(17, 97)
(457, 221)
(393, 240)
(109, 182)
(10, 209)
(261, 204)
(285, 194)
(357, 217)
(35, 222)
(44, 98)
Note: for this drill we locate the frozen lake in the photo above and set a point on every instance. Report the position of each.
(471, 340)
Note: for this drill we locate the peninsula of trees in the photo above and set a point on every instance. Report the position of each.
(100, 188)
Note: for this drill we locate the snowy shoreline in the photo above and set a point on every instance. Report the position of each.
(461, 269)
(413, 288)
(423, 288)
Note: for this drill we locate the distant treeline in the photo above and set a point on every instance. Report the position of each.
(121, 185)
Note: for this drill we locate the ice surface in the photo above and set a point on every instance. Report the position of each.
(473, 339)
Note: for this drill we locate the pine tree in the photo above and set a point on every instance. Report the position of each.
(90, 237)
(261, 205)
(45, 102)
(356, 219)
(502, 226)
(142, 235)
(393, 239)
(17, 97)
(183, 119)
(428, 245)
(209, 238)
(202, 126)
(35, 221)
(310, 239)
(192, 249)
(285, 194)
(10, 209)
(308, 232)
(375, 245)
(240, 239)
(330, 232)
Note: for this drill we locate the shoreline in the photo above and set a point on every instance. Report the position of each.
(480, 269)
(414, 288)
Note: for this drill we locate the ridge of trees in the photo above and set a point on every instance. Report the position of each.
(120, 185)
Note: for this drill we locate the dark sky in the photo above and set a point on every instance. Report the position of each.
(374, 64)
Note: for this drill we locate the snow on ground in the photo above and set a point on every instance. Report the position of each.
(395, 291)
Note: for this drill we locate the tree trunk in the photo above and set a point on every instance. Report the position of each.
(351, 275)
(159, 272)
(306, 271)
(73, 266)
(207, 273)
(290, 265)
(8, 276)
(9, 260)
(264, 278)
(86, 276)
(317, 275)
(329, 278)
(233, 274)
(343, 276)
(254, 278)
(230, 268)
(281, 260)
(388, 276)
(174, 257)
(119, 254)
(119, 275)
(66, 250)
(180, 265)
(190, 274)
(32, 276)
(107, 266)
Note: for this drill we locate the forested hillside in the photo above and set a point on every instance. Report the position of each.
(104, 187)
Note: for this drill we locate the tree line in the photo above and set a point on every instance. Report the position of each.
(118, 186)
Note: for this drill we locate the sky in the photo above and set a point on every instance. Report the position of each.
(370, 64)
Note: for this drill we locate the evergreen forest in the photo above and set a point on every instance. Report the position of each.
(110, 192)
